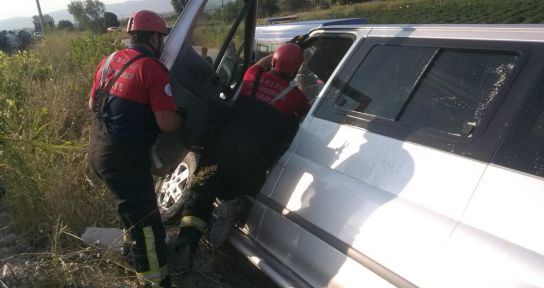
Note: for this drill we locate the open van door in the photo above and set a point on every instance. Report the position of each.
(204, 90)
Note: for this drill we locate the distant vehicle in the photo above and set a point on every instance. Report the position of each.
(13, 41)
(282, 19)
(113, 29)
(270, 37)
(38, 34)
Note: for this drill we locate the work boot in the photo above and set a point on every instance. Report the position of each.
(185, 249)
(228, 212)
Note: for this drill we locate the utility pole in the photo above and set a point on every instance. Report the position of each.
(40, 14)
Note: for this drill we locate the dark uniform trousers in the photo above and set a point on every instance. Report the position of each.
(232, 165)
(125, 169)
(237, 157)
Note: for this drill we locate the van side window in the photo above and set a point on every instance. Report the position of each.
(264, 49)
(437, 90)
(457, 91)
(523, 147)
(321, 56)
(384, 81)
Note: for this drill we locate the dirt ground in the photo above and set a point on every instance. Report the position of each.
(222, 267)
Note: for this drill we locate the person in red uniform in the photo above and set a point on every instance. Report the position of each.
(131, 100)
(235, 161)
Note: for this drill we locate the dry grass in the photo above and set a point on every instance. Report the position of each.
(72, 265)
(48, 187)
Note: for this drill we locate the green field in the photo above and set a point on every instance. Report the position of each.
(438, 11)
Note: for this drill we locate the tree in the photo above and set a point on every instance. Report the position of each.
(25, 38)
(65, 25)
(179, 5)
(4, 47)
(110, 20)
(291, 6)
(37, 23)
(88, 14)
(48, 22)
(268, 8)
(231, 10)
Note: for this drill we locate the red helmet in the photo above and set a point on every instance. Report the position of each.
(287, 59)
(146, 20)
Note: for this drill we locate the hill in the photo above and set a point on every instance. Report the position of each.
(122, 10)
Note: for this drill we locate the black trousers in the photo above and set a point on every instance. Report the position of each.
(232, 165)
(125, 169)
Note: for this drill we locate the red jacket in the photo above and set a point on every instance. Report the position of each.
(292, 104)
(143, 88)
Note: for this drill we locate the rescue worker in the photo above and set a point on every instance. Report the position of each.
(204, 54)
(132, 102)
(235, 160)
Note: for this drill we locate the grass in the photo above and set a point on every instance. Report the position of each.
(45, 132)
(73, 265)
(44, 127)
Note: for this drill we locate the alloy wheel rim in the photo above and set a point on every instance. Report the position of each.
(173, 186)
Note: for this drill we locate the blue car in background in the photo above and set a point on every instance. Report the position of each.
(270, 37)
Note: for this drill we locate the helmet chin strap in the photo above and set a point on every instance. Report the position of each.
(156, 51)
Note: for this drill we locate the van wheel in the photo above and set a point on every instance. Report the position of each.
(171, 189)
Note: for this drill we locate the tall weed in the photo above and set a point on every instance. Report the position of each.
(43, 136)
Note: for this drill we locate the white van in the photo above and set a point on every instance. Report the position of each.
(420, 164)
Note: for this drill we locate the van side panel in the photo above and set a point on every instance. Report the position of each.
(368, 192)
(501, 240)
(305, 254)
(367, 200)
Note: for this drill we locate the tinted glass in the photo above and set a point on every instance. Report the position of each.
(385, 79)
(438, 90)
(523, 147)
(458, 91)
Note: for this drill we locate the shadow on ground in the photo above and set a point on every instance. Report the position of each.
(222, 267)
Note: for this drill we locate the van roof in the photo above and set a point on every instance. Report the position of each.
(492, 32)
(286, 31)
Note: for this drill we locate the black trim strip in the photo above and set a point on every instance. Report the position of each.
(338, 244)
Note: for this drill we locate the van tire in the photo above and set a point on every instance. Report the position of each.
(171, 189)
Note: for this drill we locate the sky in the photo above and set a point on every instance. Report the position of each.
(25, 8)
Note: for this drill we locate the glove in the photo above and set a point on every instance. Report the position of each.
(299, 40)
